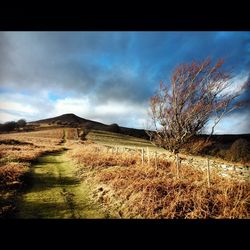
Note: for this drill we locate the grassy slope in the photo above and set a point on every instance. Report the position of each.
(63, 196)
(136, 191)
(56, 192)
(120, 140)
(48, 178)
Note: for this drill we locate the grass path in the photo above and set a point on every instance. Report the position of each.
(55, 192)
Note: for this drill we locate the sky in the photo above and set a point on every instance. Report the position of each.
(109, 76)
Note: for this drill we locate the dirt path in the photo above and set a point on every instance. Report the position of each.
(56, 192)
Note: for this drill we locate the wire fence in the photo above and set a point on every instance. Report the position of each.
(203, 163)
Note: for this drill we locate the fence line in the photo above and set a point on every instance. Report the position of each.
(228, 170)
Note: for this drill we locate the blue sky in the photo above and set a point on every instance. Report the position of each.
(108, 76)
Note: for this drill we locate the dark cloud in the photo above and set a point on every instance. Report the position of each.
(188, 46)
(61, 60)
(123, 84)
(66, 60)
(245, 97)
(110, 66)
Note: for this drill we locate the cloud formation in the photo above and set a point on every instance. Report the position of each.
(106, 76)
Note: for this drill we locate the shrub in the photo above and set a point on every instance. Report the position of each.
(8, 126)
(239, 150)
(21, 123)
(199, 146)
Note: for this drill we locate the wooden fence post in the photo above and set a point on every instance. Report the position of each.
(177, 166)
(148, 156)
(156, 159)
(208, 173)
(142, 156)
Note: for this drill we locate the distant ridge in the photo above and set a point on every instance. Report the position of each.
(72, 120)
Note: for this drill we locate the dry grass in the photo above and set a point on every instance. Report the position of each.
(11, 173)
(27, 152)
(17, 151)
(51, 134)
(120, 182)
(71, 134)
(131, 190)
(95, 156)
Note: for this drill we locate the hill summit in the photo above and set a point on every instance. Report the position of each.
(72, 120)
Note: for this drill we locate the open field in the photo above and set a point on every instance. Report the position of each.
(115, 139)
(120, 181)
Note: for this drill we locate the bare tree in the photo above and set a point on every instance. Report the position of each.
(198, 92)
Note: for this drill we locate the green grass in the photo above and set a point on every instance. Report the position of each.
(56, 192)
(120, 140)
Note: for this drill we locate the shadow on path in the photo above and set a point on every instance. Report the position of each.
(55, 192)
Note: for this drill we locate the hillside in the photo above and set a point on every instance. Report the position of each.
(72, 120)
(110, 176)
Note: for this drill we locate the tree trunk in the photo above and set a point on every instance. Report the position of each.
(142, 156)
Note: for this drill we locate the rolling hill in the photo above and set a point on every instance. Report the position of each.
(72, 120)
